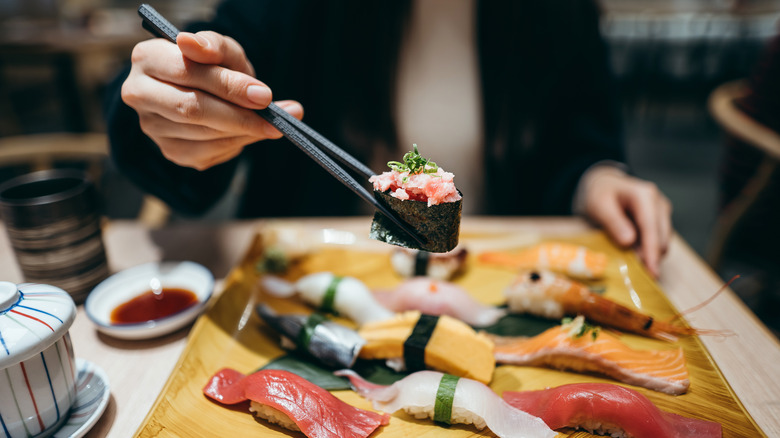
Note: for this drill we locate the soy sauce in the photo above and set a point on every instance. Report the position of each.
(149, 306)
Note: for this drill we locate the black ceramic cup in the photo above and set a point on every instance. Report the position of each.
(53, 221)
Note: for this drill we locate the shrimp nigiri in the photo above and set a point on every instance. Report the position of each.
(346, 296)
(570, 259)
(608, 409)
(430, 394)
(549, 295)
(567, 347)
(435, 297)
(294, 403)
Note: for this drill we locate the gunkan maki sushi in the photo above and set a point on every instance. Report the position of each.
(424, 196)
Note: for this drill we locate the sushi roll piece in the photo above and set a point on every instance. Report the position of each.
(422, 195)
(293, 402)
(330, 343)
(448, 399)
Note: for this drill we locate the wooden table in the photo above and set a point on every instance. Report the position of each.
(138, 370)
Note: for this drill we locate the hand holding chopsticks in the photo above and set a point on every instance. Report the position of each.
(309, 141)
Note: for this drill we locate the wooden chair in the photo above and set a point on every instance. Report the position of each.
(44, 151)
(740, 126)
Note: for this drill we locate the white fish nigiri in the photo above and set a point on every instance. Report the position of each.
(347, 296)
(437, 297)
(472, 403)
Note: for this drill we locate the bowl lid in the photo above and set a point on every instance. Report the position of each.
(32, 317)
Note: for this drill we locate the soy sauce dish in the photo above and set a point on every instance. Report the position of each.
(150, 300)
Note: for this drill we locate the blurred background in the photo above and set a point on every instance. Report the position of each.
(671, 57)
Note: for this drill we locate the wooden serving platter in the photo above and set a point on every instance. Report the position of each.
(230, 334)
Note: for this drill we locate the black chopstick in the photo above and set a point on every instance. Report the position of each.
(296, 131)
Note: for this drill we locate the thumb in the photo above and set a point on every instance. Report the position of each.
(212, 48)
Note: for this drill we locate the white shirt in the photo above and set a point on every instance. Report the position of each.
(439, 104)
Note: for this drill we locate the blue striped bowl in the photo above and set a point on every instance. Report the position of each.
(37, 365)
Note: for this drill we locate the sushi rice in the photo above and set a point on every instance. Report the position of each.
(272, 415)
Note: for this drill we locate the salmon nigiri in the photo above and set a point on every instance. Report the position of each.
(608, 409)
(293, 402)
(567, 347)
(574, 260)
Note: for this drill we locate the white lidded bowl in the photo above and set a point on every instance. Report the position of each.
(132, 282)
(37, 364)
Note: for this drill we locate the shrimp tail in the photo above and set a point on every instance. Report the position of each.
(695, 331)
(705, 302)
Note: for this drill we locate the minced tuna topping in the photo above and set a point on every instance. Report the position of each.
(417, 179)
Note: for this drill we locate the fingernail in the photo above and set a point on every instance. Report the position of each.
(259, 94)
(202, 42)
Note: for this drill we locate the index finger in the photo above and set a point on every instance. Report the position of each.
(209, 47)
(233, 86)
(649, 232)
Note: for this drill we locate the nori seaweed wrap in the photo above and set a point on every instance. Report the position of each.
(439, 224)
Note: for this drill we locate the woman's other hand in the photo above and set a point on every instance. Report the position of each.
(196, 99)
(632, 211)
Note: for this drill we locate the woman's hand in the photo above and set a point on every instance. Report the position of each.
(632, 211)
(195, 98)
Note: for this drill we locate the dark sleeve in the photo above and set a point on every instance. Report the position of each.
(551, 103)
(584, 124)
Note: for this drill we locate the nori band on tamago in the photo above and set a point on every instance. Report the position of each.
(439, 224)
(414, 346)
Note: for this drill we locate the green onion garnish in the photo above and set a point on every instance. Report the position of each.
(414, 163)
(578, 327)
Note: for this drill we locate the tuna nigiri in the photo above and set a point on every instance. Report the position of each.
(294, 403)
(604, 408)
(566, 347)
(435, 297)
(347, 296)
(430, 394)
